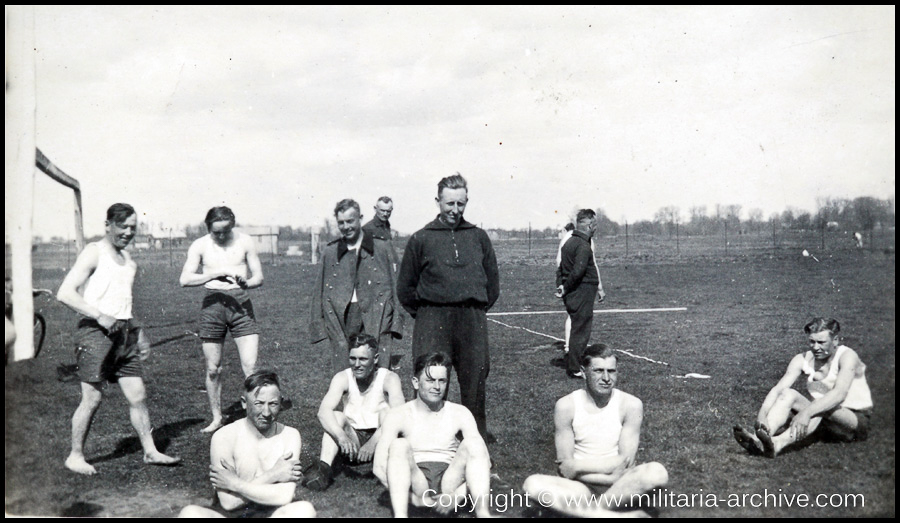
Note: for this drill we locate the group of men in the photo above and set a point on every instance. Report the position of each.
(447, 280)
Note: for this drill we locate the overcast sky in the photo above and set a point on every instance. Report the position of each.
(280, 112)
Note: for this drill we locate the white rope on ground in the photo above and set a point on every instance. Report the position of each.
(625, 352)
(605, 311)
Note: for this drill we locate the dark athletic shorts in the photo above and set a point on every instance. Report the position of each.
(863, 422)
(107, 357)
(227, 309)
(250, 510)
(434, 473)
(361, 467)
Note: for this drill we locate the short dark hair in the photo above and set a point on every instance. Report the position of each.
(363, 340)
(596, 350)
(585, 214)
(261, 378)
(385, 199)
(119, 212)
(345, 205)
(569, 226)
(823, 324)
(218, 214)
(432, 359)
(452, 182)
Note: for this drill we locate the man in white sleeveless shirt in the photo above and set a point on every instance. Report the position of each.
(255, 461)
(111, 346)
(370, 391)
(225, 257)
(835, 379)
(598, 429)
(419, 458)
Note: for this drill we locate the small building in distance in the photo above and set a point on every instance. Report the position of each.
(265, 238)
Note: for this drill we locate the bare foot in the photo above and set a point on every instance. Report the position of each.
(767, 443)
(161, 459)
(79, 465)
(212, 427)
(747, 440)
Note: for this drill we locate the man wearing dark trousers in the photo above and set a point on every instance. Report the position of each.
(448, 280)
(578, 281)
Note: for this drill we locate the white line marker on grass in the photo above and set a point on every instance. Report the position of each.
(604, 311)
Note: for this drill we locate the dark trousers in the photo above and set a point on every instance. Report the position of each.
(580, 306)
(353, 325)
(461, 332)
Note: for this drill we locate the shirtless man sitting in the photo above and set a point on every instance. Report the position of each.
(598, 429)
(835, 379)
(419, 458)
(255, 461)
(225, 257)
(371, 391)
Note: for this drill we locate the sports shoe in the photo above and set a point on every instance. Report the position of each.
(318, 476)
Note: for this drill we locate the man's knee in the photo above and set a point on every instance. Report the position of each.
(213, 371)
(194, 511)
(297, 509)
(534, 484)
(655, 474)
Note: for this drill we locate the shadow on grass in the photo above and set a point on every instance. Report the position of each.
(171, 338)
(80, 509)
(161, 436)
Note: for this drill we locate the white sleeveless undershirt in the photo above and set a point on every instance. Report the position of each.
(109, 287)
(858, 396)
(217, 256)
(596, 431)
(362, 409)
(438, 444)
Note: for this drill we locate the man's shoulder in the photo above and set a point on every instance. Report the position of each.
(288, 432)
(228, 433)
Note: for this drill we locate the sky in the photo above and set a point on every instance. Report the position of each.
(280, 112)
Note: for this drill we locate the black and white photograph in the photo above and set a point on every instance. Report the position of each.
(450, 261)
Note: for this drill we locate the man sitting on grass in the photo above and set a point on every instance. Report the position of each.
(419, 458)
(371, 391)
(597, 433)
(836, 380)
(255, 461)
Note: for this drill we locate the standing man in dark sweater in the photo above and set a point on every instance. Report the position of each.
(578, 280)
(448, 280)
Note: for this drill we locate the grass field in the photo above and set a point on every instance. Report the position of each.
(743, 324)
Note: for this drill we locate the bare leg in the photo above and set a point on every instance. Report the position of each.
(91, 395)
(330, 447)
(404, 475)
(248, 348)
(297, 509)
(788, 402)
(473, 465)
(134, 391)
(568, 331)
(213, 352)
(196, 511)
(634, 482)
(571, 497)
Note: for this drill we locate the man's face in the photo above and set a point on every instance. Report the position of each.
(362, 361)
(221, 231)
(263, 406)
(349, 224)
(383, 210)
(431, 384)
(120, 234)
(588, 226)
(452, 204)
(601, 375)
(822, 344)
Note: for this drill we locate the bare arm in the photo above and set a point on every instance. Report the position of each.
(794, 369)
(274, 487)
(329, 421)
(190, 275)
(390, 430)
(68, 294)
(253, 263)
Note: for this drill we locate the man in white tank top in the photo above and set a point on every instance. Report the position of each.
(370, 391)
(419, 458)
(835, 379)
(598, 429)
(255, 461)
(221, 261)
(111, 346)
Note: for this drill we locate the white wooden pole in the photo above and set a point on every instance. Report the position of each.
(20, 166)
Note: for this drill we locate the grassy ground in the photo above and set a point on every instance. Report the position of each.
(743, 324)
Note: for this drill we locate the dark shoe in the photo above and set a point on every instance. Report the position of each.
(318, 476)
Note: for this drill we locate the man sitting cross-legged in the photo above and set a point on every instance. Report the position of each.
(255, 461)
(835, 379)
(419, 458)
(597, 433)
(371, 391)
